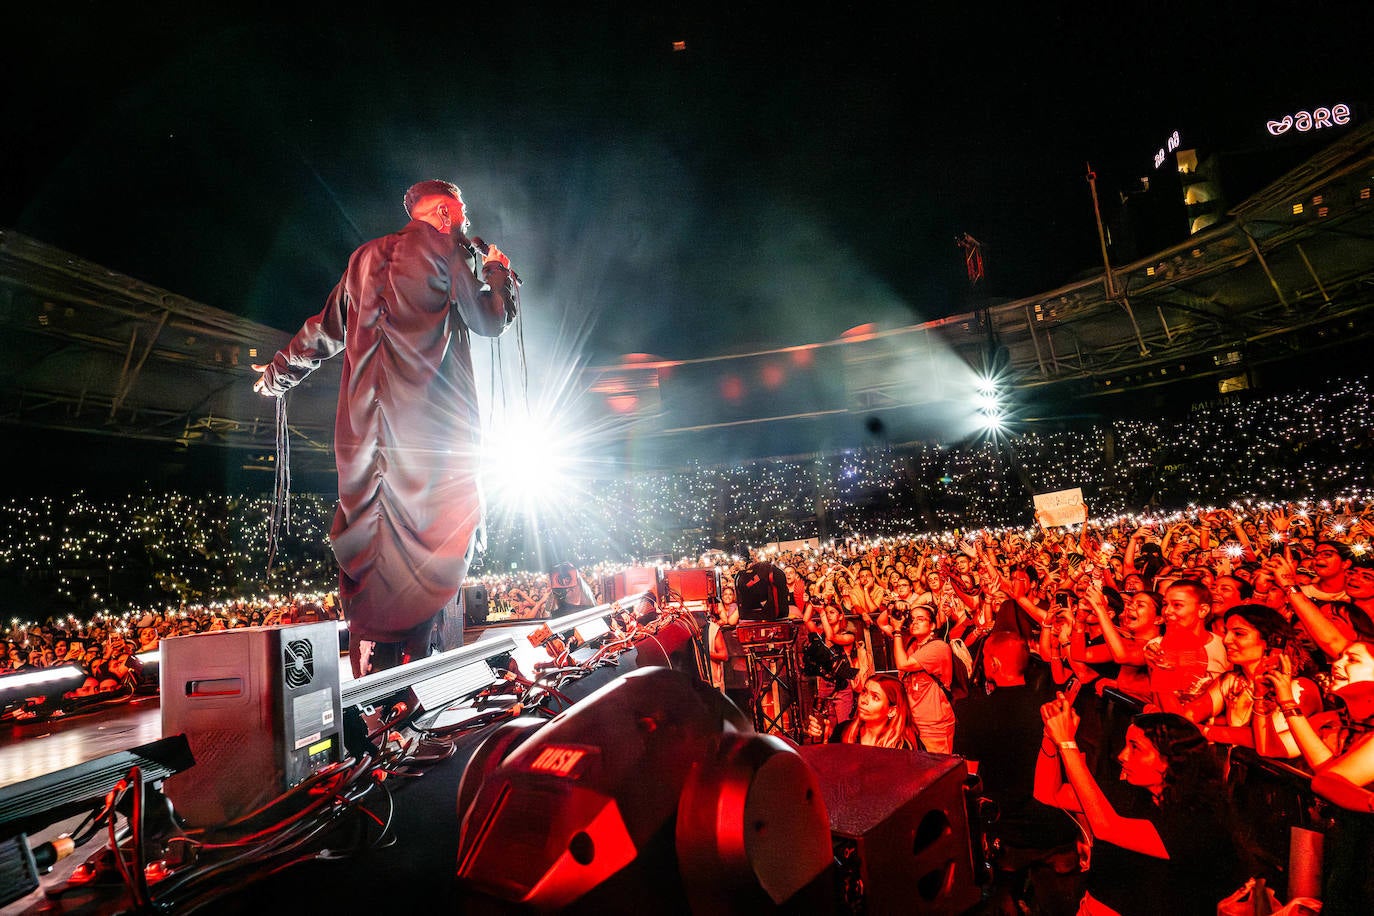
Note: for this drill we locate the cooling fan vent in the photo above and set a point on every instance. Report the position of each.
(299, 658)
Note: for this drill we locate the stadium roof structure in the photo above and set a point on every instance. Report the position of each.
(1288, 273)
(92, 352)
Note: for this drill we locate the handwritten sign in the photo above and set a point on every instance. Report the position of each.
(1063, 507)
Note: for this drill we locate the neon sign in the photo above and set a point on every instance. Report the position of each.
(1171, 144)
(1316, 119)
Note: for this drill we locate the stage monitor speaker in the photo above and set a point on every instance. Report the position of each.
(476, 603)
(693, 584)
(260, 708)
(630, 581)
(648, 793)
(904, 816)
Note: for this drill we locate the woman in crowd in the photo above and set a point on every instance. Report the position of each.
(148, 638)
(1321, 736)
(1141, 620)
(1056, 635)
(1165, 842)
(840, 635)
(927, 667)
(1236, 706)
(939, 592)
(1079, 650)
(729, 605)
(1097, 606)
(882, 718)
(1228, 591)
(1188, 655)
(1327, 625)
(1346, 779)
(729, 663)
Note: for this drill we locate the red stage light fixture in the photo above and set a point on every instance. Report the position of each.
(653, 788)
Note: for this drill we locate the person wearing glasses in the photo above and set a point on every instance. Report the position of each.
(926, 664)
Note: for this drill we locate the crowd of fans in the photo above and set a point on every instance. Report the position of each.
(108, 653)
(1135, 668)
(1245, 627)
(78, 554)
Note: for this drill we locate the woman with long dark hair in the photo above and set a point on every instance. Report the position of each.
(1140, 620)
(927, 667)
(1351, 693)
(1163, 843)
(1238, 706)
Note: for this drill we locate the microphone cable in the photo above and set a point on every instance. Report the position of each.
(279, 519)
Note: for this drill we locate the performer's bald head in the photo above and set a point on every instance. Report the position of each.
(439, 203)
(431, 188)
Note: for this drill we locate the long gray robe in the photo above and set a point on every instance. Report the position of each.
(407, 427)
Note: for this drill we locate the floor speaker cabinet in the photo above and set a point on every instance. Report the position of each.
(476, 603)
(903, 817)
(629, 581)
(694, 585)
(260, 708)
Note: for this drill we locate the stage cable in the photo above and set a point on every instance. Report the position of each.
(520, 344)
(498, 375)
(497, 381)
(279, 519)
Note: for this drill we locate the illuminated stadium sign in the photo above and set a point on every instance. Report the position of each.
(1169, 146)
(1304, 121)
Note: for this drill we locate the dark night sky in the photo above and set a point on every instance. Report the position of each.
(792, 173)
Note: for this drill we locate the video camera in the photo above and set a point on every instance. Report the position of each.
(819, 659)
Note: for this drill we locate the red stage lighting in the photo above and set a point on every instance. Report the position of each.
(654, 788)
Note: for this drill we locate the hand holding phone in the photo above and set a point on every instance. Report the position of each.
(1071, 692)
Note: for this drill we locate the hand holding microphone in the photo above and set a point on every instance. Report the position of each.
(491, 255)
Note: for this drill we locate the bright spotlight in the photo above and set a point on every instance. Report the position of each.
(987, 402)
(526, 465)
(992, 421)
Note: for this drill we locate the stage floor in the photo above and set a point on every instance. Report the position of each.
(423, 818)
(36, 748)
(39, 747)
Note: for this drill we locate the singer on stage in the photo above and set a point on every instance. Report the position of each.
(407, 427)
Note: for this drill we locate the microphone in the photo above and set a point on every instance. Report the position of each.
(477, 244)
